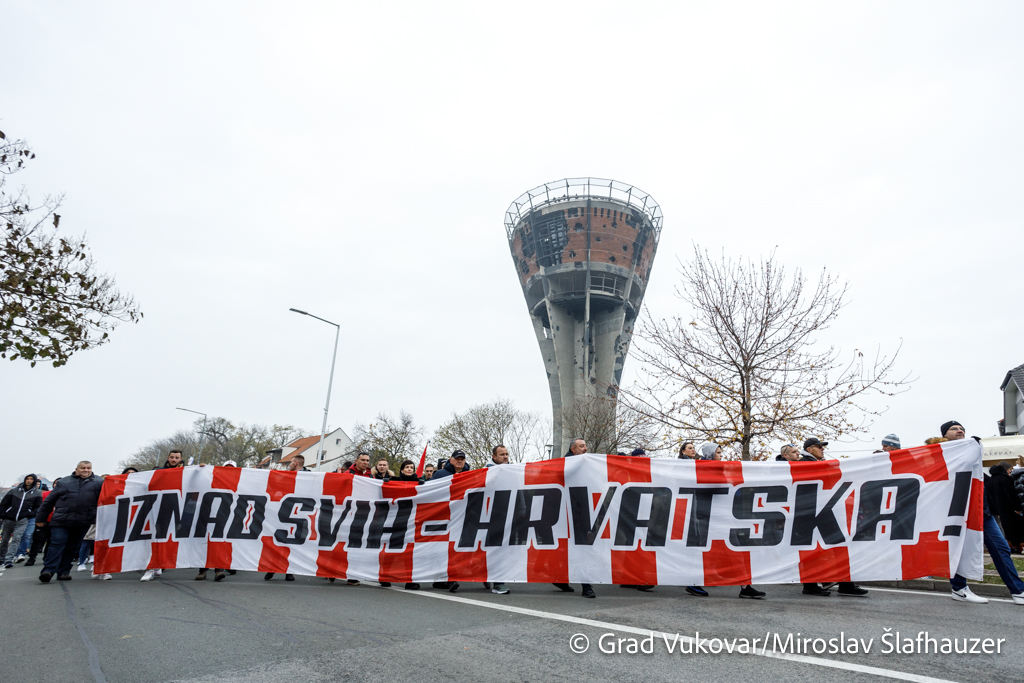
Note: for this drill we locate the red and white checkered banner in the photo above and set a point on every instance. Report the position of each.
(591, 518)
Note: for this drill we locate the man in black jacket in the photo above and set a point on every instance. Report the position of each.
(73, 502)
(16, 509)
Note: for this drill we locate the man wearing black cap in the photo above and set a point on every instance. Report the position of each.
(814, 449)
(996, 543)
(456, 464)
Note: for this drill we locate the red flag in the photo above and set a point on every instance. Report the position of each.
(423, 461)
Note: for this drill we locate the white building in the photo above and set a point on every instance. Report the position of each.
(1013, 401)
(336, 446)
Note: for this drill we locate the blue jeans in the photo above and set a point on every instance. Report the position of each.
(999, 549)
(65, 542)
(84, 551)
(10, 538)
(26, 539)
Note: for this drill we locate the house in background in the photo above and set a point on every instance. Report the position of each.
(1013, 402)
(336, 446)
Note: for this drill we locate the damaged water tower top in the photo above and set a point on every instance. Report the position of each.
(583, 249)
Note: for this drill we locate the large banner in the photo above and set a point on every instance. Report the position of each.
(591, 518)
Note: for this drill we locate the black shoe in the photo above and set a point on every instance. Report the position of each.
(385, 584)
(289, 577)
(45, 577)
(31, 561)
(851, 589)
(268, 576)
(219, 575)
(353, 582)
(454, 587)
(645, 589)
(487, 585)
(697, 590)
(440, 584)
(64, 577)
(564, 587)
(201, 576)
(331, 579)
(588, 592)
(751, 592)
(9, 565)
(412, 586)
(232, 571)
(816, 590)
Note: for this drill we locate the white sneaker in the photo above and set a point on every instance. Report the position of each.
(89, 561)
(966, 595)
(1018, 599)
(82, 568)
(20, 558)
(102, 577)
(152, 574)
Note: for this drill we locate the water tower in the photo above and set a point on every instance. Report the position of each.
(583, 249)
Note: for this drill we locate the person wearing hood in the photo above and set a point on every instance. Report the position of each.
(16, 508)
(73, 503)
(709, 451)
(993, 538)
(1004, 502)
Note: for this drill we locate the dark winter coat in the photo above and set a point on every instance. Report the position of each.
(449, 471)
(1003, 501)
(73, 501)
(407, 477)
(1018, 484)
(19, 503)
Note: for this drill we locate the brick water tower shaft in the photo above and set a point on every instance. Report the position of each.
(583, 249)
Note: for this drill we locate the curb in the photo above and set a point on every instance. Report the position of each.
(988, 590)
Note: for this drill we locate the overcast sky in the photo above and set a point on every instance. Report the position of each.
(228, 161)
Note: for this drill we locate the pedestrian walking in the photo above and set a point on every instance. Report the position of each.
(73, 503)
(17, 507)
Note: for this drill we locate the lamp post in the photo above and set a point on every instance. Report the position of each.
(202, 434)
(330, 381)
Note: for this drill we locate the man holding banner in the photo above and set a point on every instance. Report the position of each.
(996, 543)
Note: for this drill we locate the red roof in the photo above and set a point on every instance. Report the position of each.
(300, 445)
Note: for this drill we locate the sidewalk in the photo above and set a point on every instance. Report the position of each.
(988, 590)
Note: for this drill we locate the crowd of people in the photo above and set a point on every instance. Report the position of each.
(61, 523)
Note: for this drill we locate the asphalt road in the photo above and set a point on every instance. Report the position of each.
(246, 629)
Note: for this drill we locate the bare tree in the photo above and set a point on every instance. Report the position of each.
(480, 428)
(743, 369)
(609, 428)
(394, 439)
(221, 441)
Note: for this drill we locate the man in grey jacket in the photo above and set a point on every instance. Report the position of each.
(17, 507)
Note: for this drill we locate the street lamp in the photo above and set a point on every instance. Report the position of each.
(202, 434)
(330, 381)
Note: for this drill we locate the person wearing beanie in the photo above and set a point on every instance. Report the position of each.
(891, 443)
(957, 430)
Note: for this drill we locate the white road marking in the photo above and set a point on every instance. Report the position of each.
(802, 659)
(937, 594)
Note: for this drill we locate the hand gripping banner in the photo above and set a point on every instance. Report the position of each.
(590, 518)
